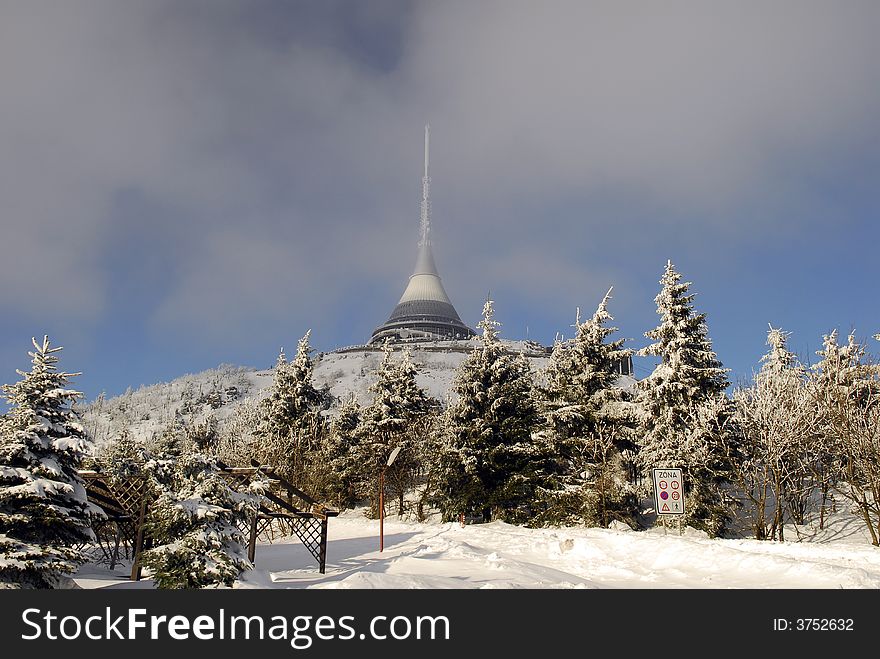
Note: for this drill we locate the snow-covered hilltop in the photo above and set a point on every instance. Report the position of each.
(218, 392)
(194, 398)
(351, 370)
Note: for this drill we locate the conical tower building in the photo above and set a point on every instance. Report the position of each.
(424, 312)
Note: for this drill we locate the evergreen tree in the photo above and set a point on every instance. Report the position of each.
(339, 455)
(291, 422)
(169, 441)
(588, 427)
(44, 512)
(238, 444)
(491, 466)
(307, 401)
(124, 458)
(398, 403)
(685, 412)
(433, 450)
(197, 519)
(843, 371)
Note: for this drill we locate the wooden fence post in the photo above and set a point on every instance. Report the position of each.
(252, 540)
(322, 562)
(138, 544)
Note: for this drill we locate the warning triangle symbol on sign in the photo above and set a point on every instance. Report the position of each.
(665, 507)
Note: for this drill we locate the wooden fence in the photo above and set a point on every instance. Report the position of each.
(286, 510)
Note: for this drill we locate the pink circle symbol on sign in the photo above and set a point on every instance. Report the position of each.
(664, 495)
(663, 485)
(675, 496)
(674, 485)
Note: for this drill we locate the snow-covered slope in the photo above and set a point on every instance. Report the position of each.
(498, 555)
(192, 397)
(351, 370)
(218, 392)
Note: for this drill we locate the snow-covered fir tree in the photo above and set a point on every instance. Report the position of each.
(238, 444)
(685, 412)
(291, 423)
(44, 512)
(491, 465)
(339, 455)
(293, 398)
(843, 371)
(197, 522)
(587, 423)
(123, 459)
(386, 423)
(169, 439)
(307, 401)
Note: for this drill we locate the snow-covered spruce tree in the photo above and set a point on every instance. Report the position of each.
(398, 403)
(196, 521)
(205, 435)
(847, 389)
(491, 465)
(123, 458)
(307, 400)
(844, 371)
(291, 421)
(237, 443)
(339, 455)
(44, 513)
(778, 423)
(677, 403)
(433, 428)
(122, 461)
(588, 427)
(169, 440)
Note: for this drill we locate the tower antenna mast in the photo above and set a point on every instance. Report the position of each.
(425, 224)
(424, 312)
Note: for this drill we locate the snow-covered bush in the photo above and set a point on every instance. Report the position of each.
(197, 523)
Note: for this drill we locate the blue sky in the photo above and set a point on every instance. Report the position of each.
(185, 184)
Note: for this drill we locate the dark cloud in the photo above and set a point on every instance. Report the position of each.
(278, 145)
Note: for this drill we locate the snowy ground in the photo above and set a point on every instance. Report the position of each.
(499, 555)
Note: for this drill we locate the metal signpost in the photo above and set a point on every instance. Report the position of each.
(669, 493)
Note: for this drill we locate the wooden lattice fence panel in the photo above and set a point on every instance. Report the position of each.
(125, 502)
(121, 500)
